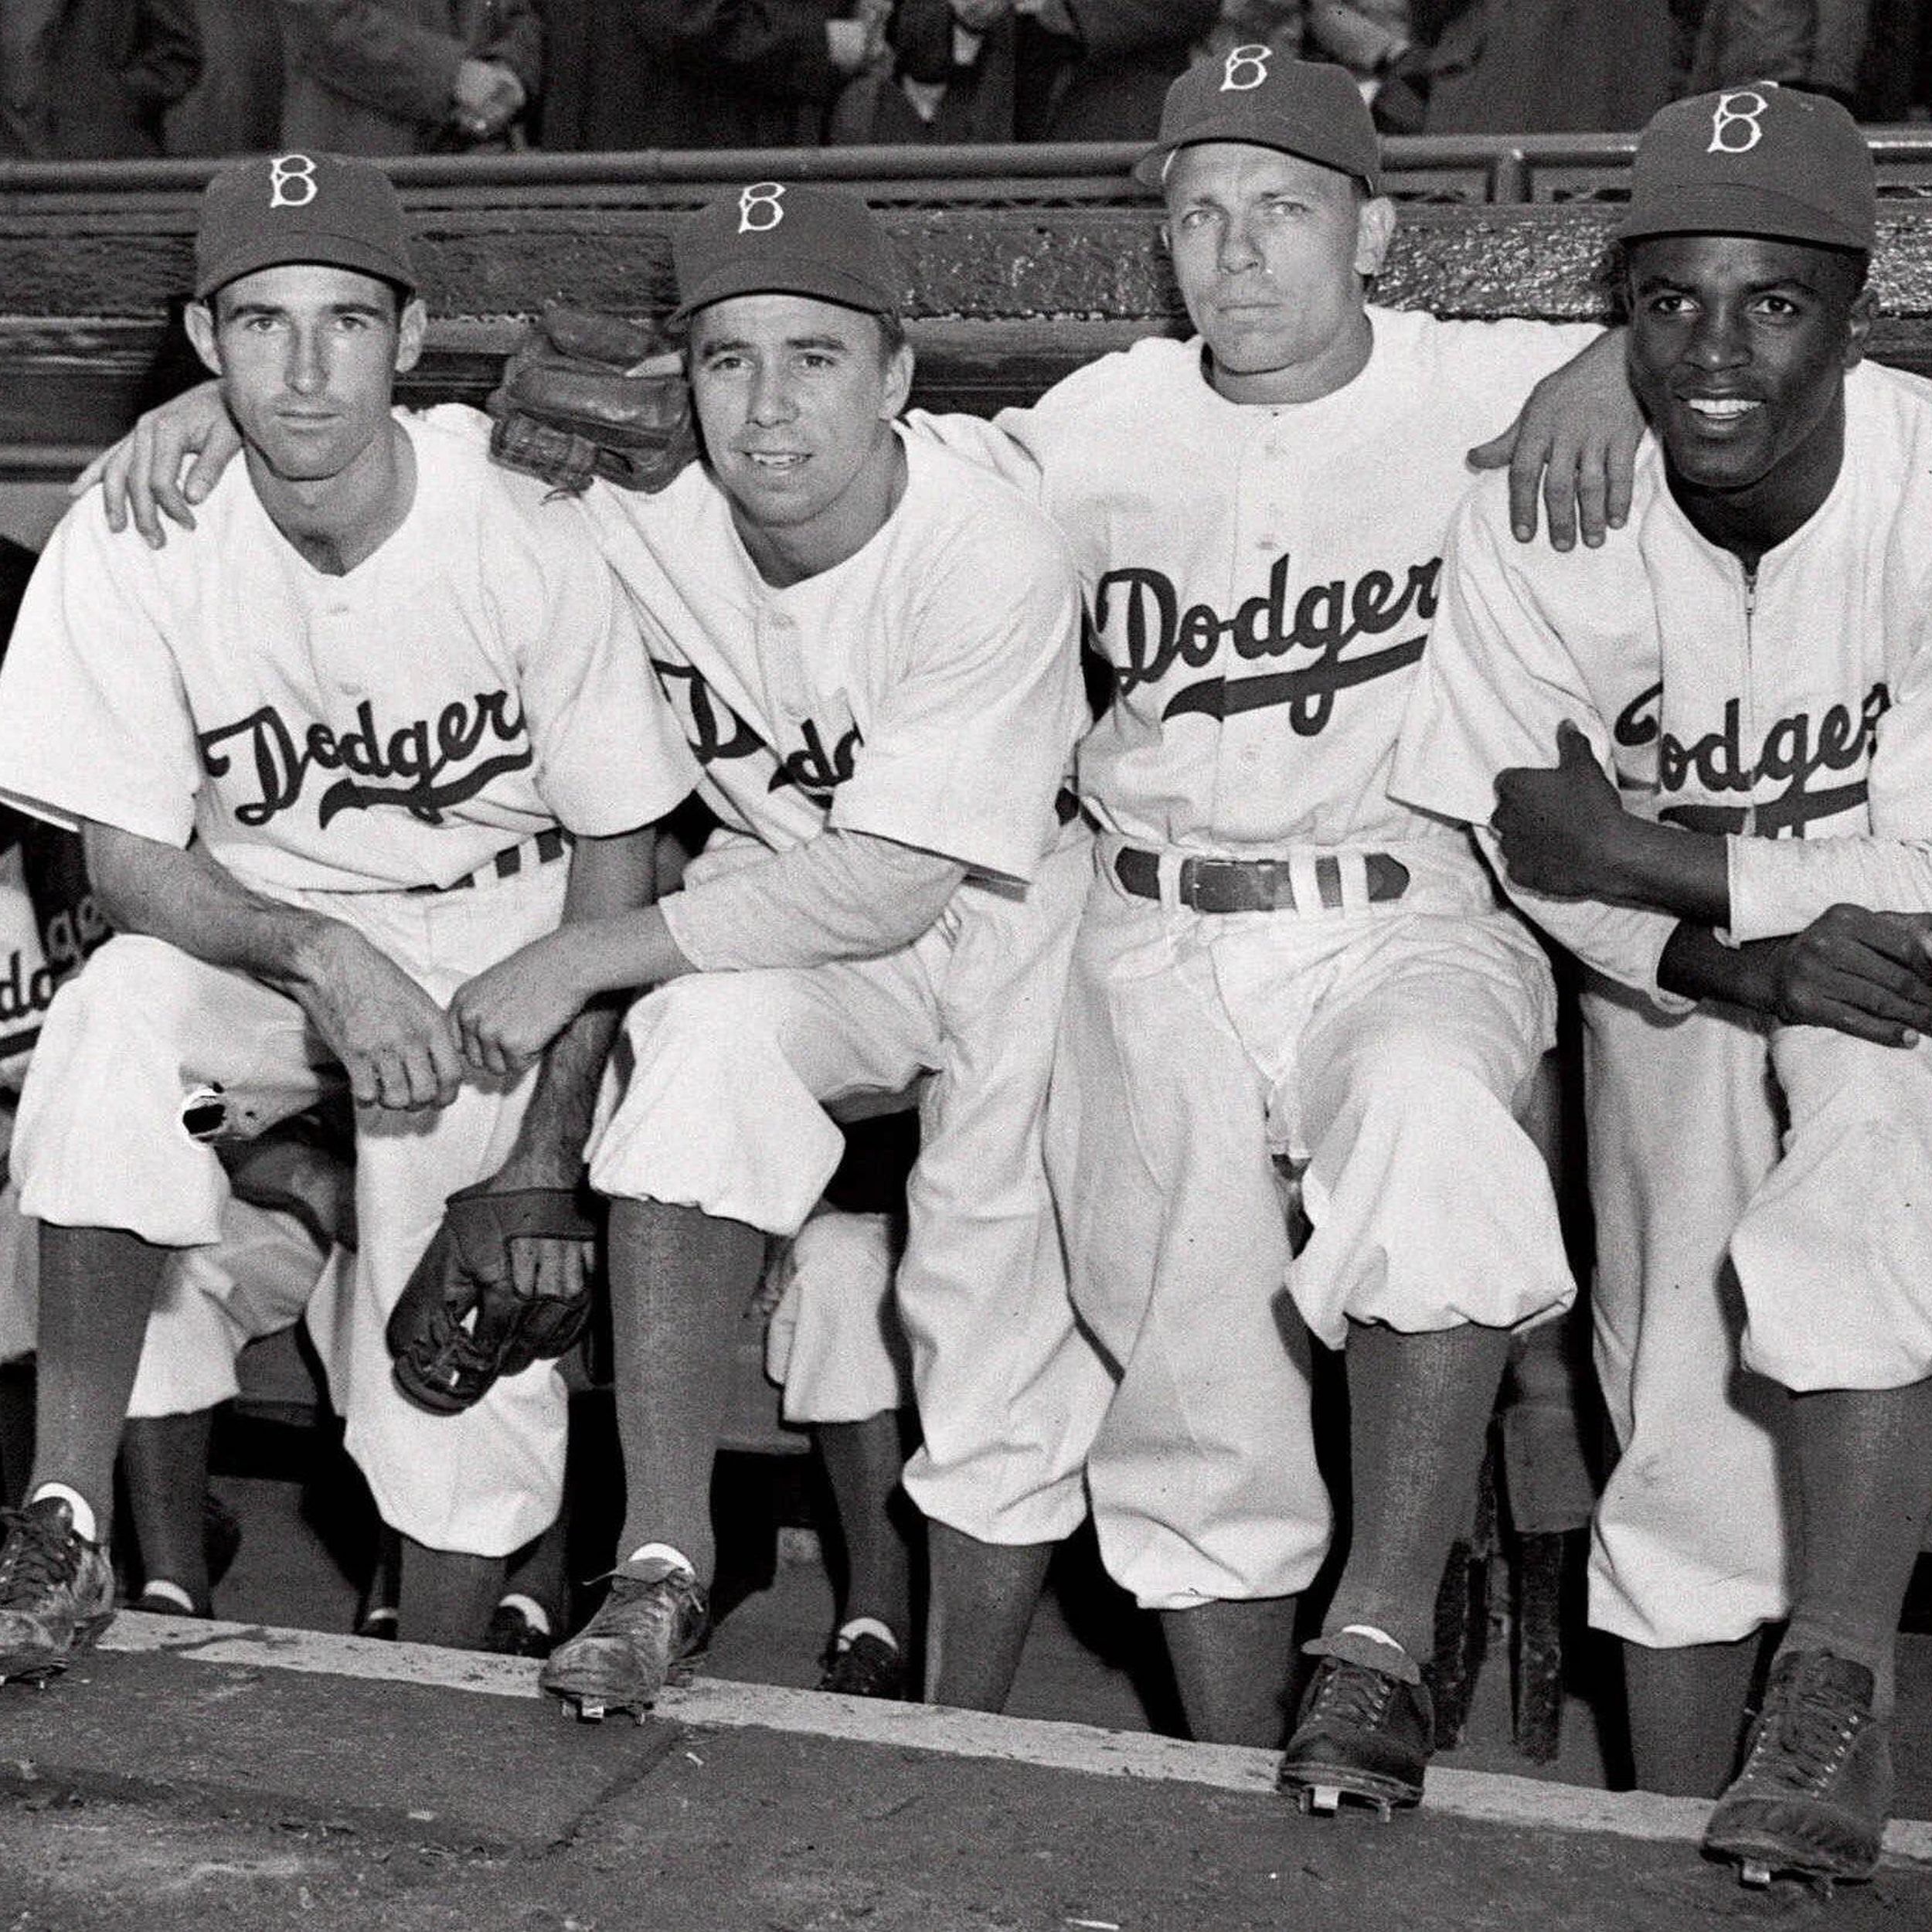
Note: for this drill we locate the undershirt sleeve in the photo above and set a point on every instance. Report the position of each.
(842, 895)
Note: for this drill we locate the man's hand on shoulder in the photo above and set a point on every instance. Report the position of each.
(142, 474)
(396, 1043)
(1574, 443)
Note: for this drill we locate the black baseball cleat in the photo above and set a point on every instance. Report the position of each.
(866, 1666)
(1363, 1734)
(1811, 1801)
(57, 1590)
(654, 1620)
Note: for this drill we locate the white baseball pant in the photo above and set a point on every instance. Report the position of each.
(1387, 1047)
(212, 1301)
(722, 1107)
(833, 1342)
(100, 1143)
(1735, 1262)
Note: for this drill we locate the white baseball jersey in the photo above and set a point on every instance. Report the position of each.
(1788, 711)
(1791, 710)
(855, 700)
(476, 680)
(925, 690)
(1263, 612)
(1262, 580)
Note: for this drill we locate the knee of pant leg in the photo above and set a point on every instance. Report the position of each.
(717, 1025)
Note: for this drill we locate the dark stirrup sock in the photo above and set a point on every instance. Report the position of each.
(1864, 1459)
(164, 1459)
(680, 1282)
(863, 1461)
(1419, 1411)
(98, 1286)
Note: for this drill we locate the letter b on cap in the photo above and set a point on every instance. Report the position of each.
(291, 181)
(761, 207)
(1245, 68)
(1736, 123)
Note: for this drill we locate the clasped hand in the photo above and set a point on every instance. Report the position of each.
(404, 1053)
(1560, 826)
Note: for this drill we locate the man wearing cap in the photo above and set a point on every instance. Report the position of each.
(1750, 663)
(321, 759)
(874, 647)
(1281, 975)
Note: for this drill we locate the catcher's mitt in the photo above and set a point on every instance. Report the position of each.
(460, 1322)
(587, 395)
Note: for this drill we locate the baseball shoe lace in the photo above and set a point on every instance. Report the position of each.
(56, 1589)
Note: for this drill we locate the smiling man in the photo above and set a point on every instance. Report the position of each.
(323, 760)
(1750, 661)
(874, 645)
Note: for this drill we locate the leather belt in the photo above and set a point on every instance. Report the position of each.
(552, 843)
(1207, 885)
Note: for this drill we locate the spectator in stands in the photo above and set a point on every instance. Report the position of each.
(1538, 66)
(1098, 69)
(90, 80)
(409, 77)
(703, 73)
(235, 107)
(948, 76)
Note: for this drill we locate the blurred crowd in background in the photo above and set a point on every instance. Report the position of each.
(87, 79)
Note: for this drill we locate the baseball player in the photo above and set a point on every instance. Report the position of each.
(327, 762)
(874, 647)
(1749, 661)
(1279, 967)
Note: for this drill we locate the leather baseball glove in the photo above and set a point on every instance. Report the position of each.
(460, 1322)
(586, 395)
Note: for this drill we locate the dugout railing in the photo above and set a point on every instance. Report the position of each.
(1022, 262)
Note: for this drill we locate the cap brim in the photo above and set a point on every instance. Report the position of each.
(1726, 208)
(1151, 170)
(327, 251)
(822, 281)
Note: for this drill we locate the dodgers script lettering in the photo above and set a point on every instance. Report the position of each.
(1141, 625)
(417, 754)
(1794, 751)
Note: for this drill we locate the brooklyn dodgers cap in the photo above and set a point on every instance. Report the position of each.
(1757, 160)
(301, 208)
(1312, 108)
(786, 238)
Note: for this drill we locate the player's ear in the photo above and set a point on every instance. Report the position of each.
(1375, 227)
(198, 319)
(899, 382)
(410, 327)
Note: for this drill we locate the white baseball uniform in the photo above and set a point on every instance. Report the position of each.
(926, 691)
(1262, 580)
(834, 1341)
(352, 744)
(1792, 711)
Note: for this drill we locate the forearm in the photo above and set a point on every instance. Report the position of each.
(188, 899)
(1623, 942)
(840, 896)
(1695, 964)
(1780, 886)
(609, 878)
(1667, 869)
